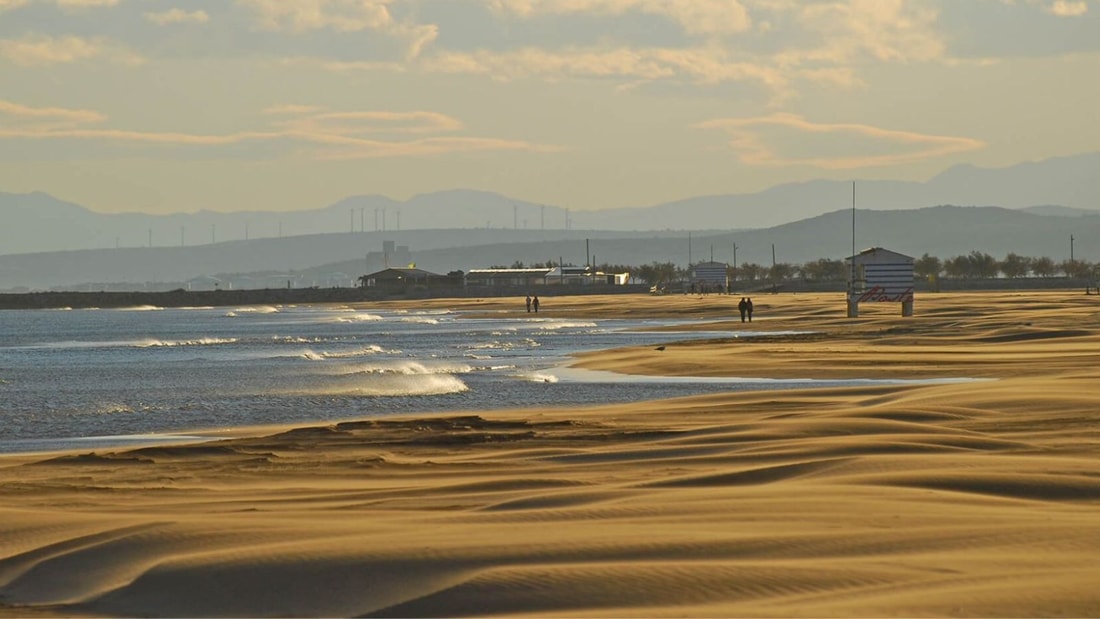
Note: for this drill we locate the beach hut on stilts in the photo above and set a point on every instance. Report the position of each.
(879, 275)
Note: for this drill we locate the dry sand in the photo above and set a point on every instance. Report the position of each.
(971, 499)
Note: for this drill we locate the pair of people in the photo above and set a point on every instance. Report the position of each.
(745, 307)
(533, 303)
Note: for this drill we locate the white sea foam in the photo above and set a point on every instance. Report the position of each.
(395, 380)
(202, 341)
(366, 351)
(414, 368)
(420, 320)
(553, 325)
(141, 308)
(257, 309)
(526, 343)
(358, 318)
(411, 385)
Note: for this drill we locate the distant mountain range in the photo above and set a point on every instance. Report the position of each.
(46, 242)
(337, 259)
(37, 222)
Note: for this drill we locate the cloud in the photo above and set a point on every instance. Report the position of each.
(44, 119)
(86, 4)
(178, 16)
(7, 5)
(697, 17)
(365, 123)
(885, 30)
(41, 49)
(758, 140)
(292, 108)
(330, 135)
(343, 16)
(705, 65)
(1067, 8)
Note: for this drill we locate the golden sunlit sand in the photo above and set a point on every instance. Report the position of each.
(975, 498)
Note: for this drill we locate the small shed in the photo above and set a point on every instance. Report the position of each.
(880, 276)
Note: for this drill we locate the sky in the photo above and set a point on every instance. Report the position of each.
(164, 106)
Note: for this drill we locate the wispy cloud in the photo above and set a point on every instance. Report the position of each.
(44, 119)
(86, 4)
(178, 16)
(7, 5)
(342, 16)
(697, 17)
(41, 49)
(1068, 8)
(333, 135)
(757, 142)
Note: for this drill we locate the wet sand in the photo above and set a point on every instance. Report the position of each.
(966, 499)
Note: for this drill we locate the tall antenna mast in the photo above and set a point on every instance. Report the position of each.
(853, 227)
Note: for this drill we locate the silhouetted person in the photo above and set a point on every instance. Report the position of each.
(528, 304)
(743, 307)
(535, 303)
(748, 307)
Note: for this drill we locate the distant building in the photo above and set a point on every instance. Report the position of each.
(880, 276)
(207, 282)
(543, 276)
(710, 275)
(507, 277)
(399, 278)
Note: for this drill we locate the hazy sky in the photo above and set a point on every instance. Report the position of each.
(182, 105)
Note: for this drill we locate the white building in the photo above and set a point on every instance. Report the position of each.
(880, 276)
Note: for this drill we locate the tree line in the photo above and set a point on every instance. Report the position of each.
(975, 265)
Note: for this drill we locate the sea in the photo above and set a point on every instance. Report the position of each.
(93, 378)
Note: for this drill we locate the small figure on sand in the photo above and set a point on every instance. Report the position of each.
(528, 304)
(748, 307)
(535, 303)
(743, 307)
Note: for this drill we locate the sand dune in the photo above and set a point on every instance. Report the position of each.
(974, 498)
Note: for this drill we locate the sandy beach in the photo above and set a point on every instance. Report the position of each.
(969, 498)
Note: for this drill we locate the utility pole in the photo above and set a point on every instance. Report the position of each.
(773, 268)
(1070, 248)
(689, 249)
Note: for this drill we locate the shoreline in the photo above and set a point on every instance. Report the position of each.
(973, 498)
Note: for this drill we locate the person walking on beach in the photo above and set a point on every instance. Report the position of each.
(528, 304)
(743, 307)
(535, 303)
(748, 307)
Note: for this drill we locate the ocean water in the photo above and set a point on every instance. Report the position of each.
(105, 377)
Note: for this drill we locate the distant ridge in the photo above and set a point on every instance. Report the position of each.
(336, 259)
(37, 222)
